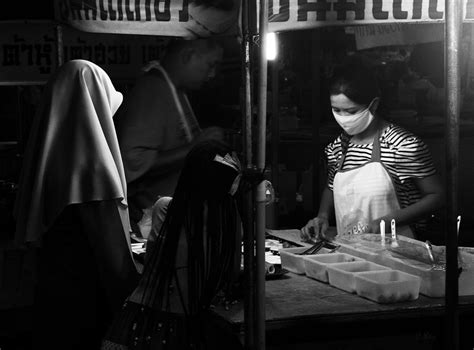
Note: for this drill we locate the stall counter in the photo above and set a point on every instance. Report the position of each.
(300, 310)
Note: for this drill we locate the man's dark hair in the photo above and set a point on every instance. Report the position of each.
(175, 46)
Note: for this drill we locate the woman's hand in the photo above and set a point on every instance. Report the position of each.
(374, 226)
(315, 228)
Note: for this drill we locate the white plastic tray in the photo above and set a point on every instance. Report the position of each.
(387, 286)
(292, 261)
(432, 280)
(342, 275)
(316, 265)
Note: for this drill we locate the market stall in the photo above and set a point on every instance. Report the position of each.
(405, 11)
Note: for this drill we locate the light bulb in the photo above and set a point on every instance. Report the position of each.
(272, 46)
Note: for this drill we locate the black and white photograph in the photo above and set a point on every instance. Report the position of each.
(237, 175)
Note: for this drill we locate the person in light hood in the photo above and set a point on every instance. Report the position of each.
(72, 206)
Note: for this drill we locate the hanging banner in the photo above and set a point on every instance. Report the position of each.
(202, 18)
(177, 18)
(396, 34)
(304, 14)
(28, 52)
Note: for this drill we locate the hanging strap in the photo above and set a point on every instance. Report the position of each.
(184, 121)
(375, 156)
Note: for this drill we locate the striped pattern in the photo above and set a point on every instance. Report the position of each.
(403, 154)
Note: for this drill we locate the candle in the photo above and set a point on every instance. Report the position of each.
(458, 224)
(382, 232)
(394, 243)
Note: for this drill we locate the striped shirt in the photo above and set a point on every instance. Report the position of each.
(404, 155)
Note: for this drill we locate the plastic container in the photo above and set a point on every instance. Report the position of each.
(342, 275)
(316, 265)
(292, 261)
(387, 286)
(411, 257)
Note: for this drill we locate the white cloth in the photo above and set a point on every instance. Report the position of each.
(364, 194)
(72, 155)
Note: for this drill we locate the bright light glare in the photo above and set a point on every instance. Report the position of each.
(272, 47)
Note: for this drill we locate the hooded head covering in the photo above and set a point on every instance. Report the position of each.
(72, 155)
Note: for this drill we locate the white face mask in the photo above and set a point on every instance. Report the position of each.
(354, 124)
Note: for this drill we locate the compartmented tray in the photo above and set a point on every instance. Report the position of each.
(360, 246)
(387, 286)
(294, 262)
(343, 275)
(411, 257)
(316, 265)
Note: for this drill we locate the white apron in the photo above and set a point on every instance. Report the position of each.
(363, 194)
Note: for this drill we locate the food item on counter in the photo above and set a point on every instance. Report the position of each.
(269, 268)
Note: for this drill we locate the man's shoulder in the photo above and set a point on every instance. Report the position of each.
(149, 95)
(152, 78)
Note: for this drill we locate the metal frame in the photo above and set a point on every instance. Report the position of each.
(453, 29)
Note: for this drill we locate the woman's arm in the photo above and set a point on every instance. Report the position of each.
(432, 198)
(319, 225)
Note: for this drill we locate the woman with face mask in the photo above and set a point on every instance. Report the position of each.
(376, 169)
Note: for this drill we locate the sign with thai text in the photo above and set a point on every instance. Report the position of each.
(304, 14)
(28, 52)
(396, 34)
(202, 18)
(178, 18)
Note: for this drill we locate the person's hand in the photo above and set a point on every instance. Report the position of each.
(315, 228)
(373, 227)
(211, 133)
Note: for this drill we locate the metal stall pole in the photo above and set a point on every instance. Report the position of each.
(275, 69)
(261, 195)
(59, 44)
(248, 20)
(453, 83)
(315, 40)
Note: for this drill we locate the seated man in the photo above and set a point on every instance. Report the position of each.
(156, 126)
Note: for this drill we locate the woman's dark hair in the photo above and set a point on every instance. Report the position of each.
(201, 200)
(204, 178)
(356, 78)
